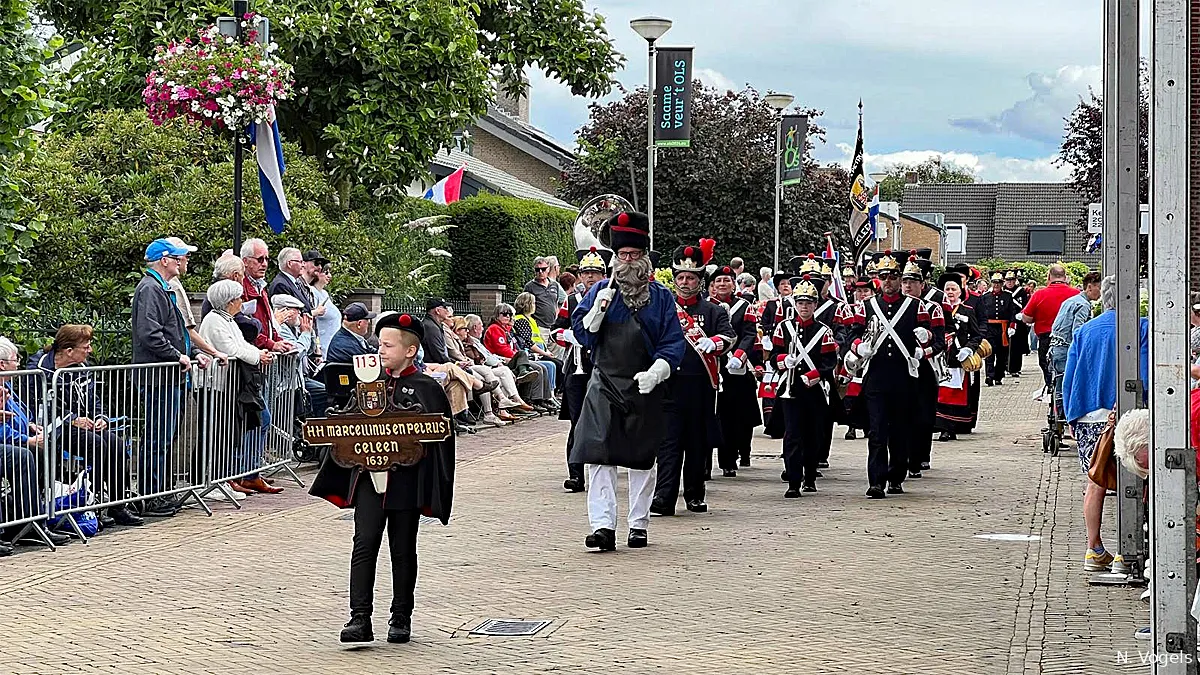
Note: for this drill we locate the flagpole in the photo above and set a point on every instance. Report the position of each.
(240, 8)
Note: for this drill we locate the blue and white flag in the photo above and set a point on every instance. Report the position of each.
(268, 151)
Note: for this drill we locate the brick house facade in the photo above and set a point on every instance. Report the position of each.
(918, 233)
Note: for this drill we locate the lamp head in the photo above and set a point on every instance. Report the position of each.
(779, 101)
(650, 28)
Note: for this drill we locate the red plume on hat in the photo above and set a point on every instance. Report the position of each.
(707, 246)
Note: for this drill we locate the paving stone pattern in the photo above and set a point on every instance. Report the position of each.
(829, 583)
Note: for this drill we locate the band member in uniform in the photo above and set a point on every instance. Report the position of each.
(1018, 346)
(693, 429)
(831, 311)
(805, 356)
(629, 326)
(426, 488)
(737, 402)
(996, 312)
(912, 282)
(894, 325)
(849, 276)
(852, 403)
(775, 312)
(577, 364)
(954, 411)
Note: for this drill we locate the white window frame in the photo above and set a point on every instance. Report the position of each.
(958, 230)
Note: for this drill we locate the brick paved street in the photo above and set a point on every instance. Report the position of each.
(830, 583)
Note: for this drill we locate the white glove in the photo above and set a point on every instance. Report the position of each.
(964, 354)
(568, 336)
(706, 345)
(766, 343)
(864, 350)
(734, 363)
(791, 361)
(1012, 331)
(923, 353)
(595, 315)
(922, 335)
(656, 374)
(1020, 316)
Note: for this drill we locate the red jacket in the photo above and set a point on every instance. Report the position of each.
(267, 335)
(498, 340)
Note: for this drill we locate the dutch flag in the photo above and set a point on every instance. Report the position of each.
(836, 288)
(447, 190)
(268, 150)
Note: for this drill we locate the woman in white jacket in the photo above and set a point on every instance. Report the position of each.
(220, 328)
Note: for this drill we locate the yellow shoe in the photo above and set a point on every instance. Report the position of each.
(1097, 562)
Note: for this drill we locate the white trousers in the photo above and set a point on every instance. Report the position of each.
(602, 496)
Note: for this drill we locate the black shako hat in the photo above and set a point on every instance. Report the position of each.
(405, 322)
(628, 229)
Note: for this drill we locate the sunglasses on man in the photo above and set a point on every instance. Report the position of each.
(541, 269)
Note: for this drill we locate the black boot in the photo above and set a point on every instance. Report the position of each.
(729, 473)
(876, 492)
(810, 485)
(358, 629)
(603, 539)
(697, 506)
(573, 485)
(399, 629)
(121, 515)
(745, 461)
(638, 539)
(793, 491)
(914, 473)
(895, 489)
(823, 464)
(851, 434)
(658, 508)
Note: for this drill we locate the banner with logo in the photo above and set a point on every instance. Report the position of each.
(673, 97)
(791, 163)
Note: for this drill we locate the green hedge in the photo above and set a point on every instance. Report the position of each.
(1034, 270)
(495, 240)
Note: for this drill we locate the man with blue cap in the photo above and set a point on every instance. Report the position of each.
(160, 336)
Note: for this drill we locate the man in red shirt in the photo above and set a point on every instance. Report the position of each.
(1041, 311)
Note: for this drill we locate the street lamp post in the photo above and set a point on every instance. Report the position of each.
(778, 103)
(651, 28)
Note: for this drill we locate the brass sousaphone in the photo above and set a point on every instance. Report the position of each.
(589, 227)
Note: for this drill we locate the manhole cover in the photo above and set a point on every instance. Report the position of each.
(1010, 537)
(509, 627)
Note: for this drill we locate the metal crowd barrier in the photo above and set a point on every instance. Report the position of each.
(114, 435)
(25, 461)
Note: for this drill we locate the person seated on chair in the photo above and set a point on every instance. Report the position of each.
(81, 425)
(351, 339)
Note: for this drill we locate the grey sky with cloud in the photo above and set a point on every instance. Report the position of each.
(985, 85)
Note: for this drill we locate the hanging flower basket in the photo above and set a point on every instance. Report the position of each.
(218, 80)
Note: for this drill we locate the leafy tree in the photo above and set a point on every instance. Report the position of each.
(721, 187)
(387, 82)
(1083, 147)
(932, 170)
(23, 85)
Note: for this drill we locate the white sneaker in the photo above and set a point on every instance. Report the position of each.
(218, 496)
(491, 419)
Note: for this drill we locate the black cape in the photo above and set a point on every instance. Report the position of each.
(428, 486)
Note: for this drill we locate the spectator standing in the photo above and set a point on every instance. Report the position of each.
(766, 289)
(185, 304)
(325, 310)
(553, 274)
(1089, 395)
(544, 291)
(290, 279)
(255, 255)
(1041, 311)
(227, 267)
(159, 336)
(738, 266)
(1073, 313)
(351, 339)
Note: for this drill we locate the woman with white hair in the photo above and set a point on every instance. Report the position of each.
(766, 290)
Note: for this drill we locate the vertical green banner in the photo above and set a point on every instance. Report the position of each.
(673, 100)
(791, 163)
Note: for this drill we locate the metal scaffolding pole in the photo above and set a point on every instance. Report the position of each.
(1108, 199)
(1121, 242)
(1173, 463)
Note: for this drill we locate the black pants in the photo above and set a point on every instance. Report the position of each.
(804, 419)
(826, 440)
(997, 362)
(1044, 360)
(575, 389)
(686, 443)
(891, 414)
(737, 438)
(370, 520)
(103, 452)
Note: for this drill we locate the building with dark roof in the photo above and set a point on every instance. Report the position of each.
(1015, 221)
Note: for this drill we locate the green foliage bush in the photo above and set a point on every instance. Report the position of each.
(1034, 270)
(495, 240)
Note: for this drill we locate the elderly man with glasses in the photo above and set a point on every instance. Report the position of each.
(545, 292)
(256, 303)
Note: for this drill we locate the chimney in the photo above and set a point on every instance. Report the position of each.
(516, 105)
(911, 178)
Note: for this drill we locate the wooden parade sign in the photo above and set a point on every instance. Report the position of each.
(378, 442)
